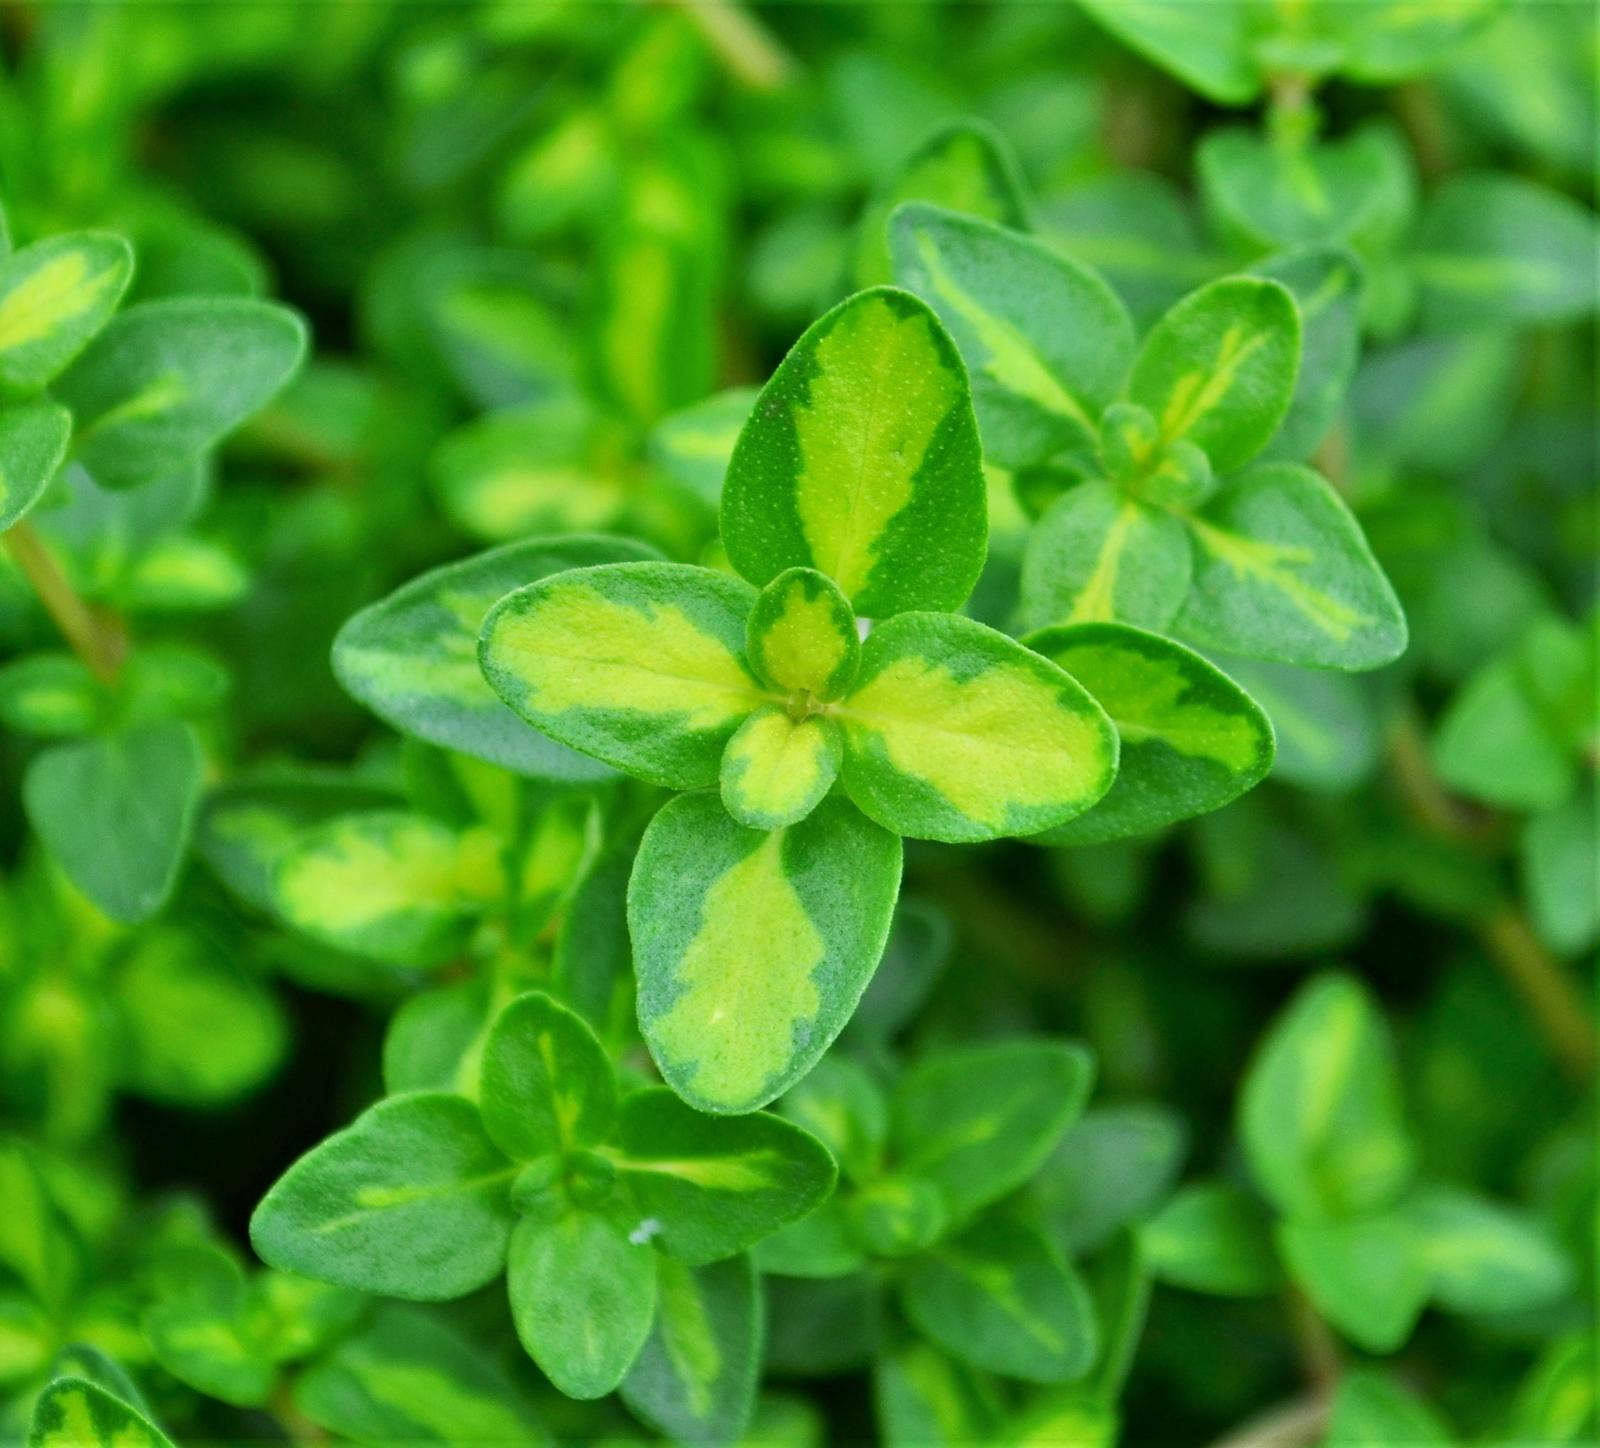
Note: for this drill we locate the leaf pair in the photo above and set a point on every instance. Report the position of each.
(554, 1179)
(959, 1132)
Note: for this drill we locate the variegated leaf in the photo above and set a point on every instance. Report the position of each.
(955, 732)
(75, 1413)
(1045, 340)
(1191, 738)
(803, 637)
(1218, 370)
(753, 948)
(399, 887)
(547, 1085)
(1282, 571)
(861, 460)
(776, 768)
(697, 1376)
(711, 1186)
(412, 658)
(54, 296)
(638, 664)
(966, 166)
(1098, 553)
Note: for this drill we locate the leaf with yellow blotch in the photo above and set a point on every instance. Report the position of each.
(1282, 571)
(1219, 369)
(1191, 738)
(54, 296)
(777, 768)
(861, 460)
(641, 665)
(955, 732)
(753, 948)
(803, 637)
(75, 1413)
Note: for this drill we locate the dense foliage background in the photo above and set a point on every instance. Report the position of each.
(530, 240)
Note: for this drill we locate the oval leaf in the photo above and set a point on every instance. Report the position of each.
(696, 1378)
(776, 769)
(547, 1084)
(1097, 553)
(167, 379)
(1282, 571)
(861, 460)
(75, 1413)
(33, 444)
(751, 948)
(1191, 738)
(1045, 340)
(54, 296)
(956, 732)
(582, 1296)
(409, 1201)
(638, 664)
(412, 658)
(1218, 370)
(802, 635)
(712, 1186)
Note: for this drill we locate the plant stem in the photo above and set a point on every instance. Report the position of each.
(1289, 1426)
(743, 44)
(96, 636)
(1546, 989)
(1552, 999)
(1319, 1352)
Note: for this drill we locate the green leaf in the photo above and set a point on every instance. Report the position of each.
(1485, 1258)
(752, 949)
(776, 769)
(410, 1377)
(531, 469)
(1495, 248)
(194, 1331)
(1370, 1411)
(1218, 370)
(694, 445)
(1000, 1297)
(924, 1400)
(116, 811)
(802, 635)
(33, 444)
(845, 1109)
(1319, 1112)
(1391, 40)
(1263, 191)
(696, 1378)
(1206, 46)
(1191, 739)
(1496, 743)
(1282, 571)
(1366, 1275)
(1326, 725)
(409, 1201)
(1213, 1237)
(54, 296)
(583, 1295)
(397, 887)
(861, 460)
(978, 1121)
(1045, 340)
(712, 1186)
(1559, 848)
(75, 1413)
(955, 732)
(198, 1028)
(547, 1084)
(1328, 287)
(412, 658)
(964, 165)
(1097, 553)
(51, 695)
(1556, 1403)
(166, 380)
(1110, 1170)
(36, 1245)
(638, 664)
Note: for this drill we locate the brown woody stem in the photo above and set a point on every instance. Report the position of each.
(96, 636)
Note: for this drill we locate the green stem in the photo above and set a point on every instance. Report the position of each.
(741, 42)
(96, 636)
